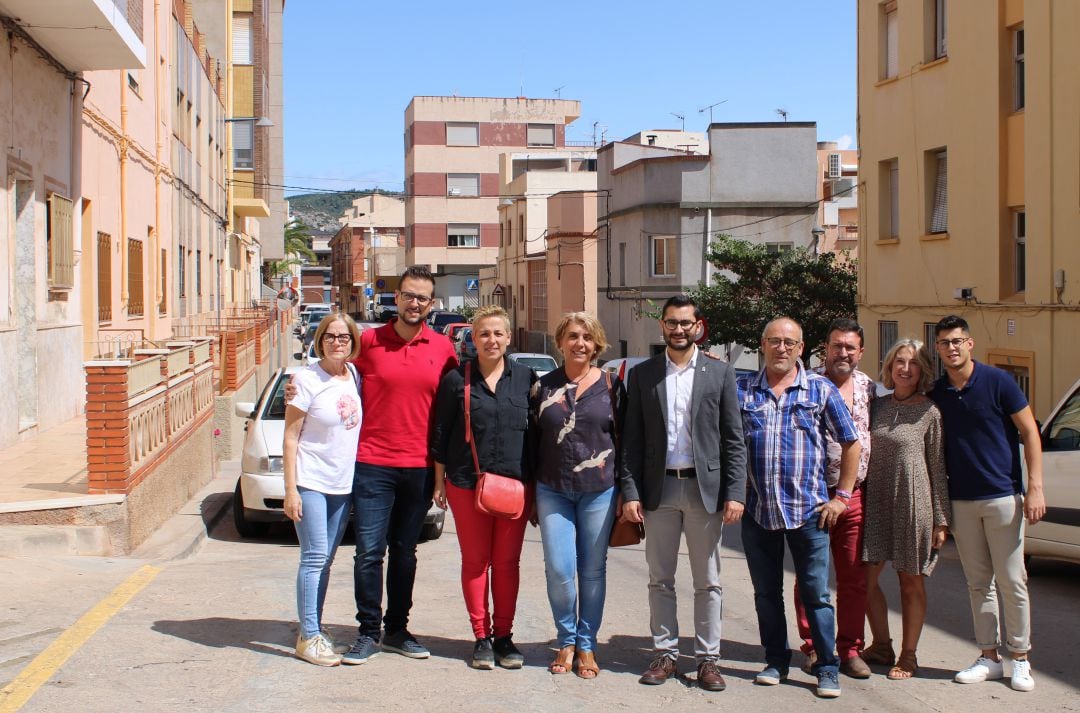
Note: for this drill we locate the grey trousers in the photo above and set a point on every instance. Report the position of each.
(989, 538)
(682, 512)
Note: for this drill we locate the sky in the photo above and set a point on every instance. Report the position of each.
(352, 66)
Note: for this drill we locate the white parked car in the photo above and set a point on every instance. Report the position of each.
(621, 366)
(540, 363)
(1057, 536)
(259, 497)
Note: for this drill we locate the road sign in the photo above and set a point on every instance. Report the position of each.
(498, 291)
(472, 285)
(369, 292)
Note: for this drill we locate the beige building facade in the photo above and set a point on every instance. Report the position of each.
(452, 184)
(369, 250)
(968, 144)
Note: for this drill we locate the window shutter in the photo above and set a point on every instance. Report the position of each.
(60, 248)
(541, 135)
(463, 184)
(939, 216)
(243, 155)
(892, 39)
(462, 134)
(104, 277)
(241, 37)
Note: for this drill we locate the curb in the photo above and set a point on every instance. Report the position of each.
(182, 535)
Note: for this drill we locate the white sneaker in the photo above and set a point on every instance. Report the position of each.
(316, 650)
(1021, 679)
(983, 669)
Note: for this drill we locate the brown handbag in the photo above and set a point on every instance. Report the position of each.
(496, 495)
(623, 532)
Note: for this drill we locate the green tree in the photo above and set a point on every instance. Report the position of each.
(298, 241)
(753, 286)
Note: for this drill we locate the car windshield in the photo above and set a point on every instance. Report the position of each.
(275, 405)
(538, 363)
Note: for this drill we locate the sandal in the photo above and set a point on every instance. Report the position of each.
(586, 665)
(563, 660)
(880, 653)
(906, 666)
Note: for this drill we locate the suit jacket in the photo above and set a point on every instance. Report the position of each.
(715, 431)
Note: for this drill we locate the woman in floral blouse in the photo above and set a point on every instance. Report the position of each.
(577, 413)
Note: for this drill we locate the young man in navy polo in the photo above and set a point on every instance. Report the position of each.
(986, 416)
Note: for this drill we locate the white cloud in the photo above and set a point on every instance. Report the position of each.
(844, 142)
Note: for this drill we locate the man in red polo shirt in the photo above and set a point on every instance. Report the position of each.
(400, 364)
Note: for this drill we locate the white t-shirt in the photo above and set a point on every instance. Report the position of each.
(326, 454)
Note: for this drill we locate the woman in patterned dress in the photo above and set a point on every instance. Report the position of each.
(577, 411)
(907, 502)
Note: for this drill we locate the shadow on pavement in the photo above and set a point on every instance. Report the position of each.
(267, 636)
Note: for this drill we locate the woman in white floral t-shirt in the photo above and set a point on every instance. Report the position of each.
(322, 429)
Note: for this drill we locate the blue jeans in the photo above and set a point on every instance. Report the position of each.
(575, 528)
(389, 505)
(319, 531)
(765, 558)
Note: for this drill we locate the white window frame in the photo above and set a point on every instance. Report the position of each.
(665, 263)
(460, 235)
(461, 185)
(835, 167)
(456, 133)
(536, 135)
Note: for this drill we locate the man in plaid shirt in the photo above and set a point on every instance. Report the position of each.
(787, 413)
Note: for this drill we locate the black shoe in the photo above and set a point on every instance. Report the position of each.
(365, 649)
(506, 654)
(404, 643)
(482, 655)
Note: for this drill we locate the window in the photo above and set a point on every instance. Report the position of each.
(889, 175)
(777, 248)
(243, 50)
(181, 270)
(622, 264)
(104, 277)
(929, 338)
(1063, 433)
(463, 184)
(135, 277)
(463, 236)
(835, 169)
(243, 145)
(937, 171)
(521, 228)
(888, 332)
(538, 294)
(1018, 68)
(198, 272)
(939, 48)
(58, 242)
(164, 282)
(1020, 250)
(890, 39)
(540, 135)
(462, 133)
(663, 255)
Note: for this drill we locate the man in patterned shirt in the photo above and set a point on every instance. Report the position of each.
(843, 350)
(787, 413)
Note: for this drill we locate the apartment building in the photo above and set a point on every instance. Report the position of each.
(49, 227)
(368, 253)
(660, 207)
(316, 283)
(256, 198)
(452, 149)
(968, 142)
(837, 227)
(547, 242)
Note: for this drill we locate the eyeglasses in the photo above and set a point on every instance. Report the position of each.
(776, 342)
(339, 338)
(956, 342)
(410, 296)
(674, 323)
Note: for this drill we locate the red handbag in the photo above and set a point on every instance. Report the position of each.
(496, 495)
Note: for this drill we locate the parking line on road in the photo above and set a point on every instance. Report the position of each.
(15, 695)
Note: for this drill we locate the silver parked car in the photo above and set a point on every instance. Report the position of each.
(540, 363)
(1057, 535)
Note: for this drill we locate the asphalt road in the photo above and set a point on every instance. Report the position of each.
(214, 632)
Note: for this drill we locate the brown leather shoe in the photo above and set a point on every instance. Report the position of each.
(709, 678)
(660, 670)
(855, 667)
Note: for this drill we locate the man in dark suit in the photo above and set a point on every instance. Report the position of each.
(689, 402)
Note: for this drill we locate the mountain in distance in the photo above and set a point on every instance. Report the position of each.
(320, 211)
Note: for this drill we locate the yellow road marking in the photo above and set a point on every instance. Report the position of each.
(15, 695)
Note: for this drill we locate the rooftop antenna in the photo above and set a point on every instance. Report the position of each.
(709, 108)
(558, 92)
(782, 113)
(680, 117)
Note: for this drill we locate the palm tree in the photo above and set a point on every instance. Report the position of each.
(298, 241)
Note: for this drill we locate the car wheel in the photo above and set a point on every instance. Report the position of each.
(245, 527)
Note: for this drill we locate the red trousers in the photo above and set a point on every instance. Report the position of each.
(488, 544)
(845, 541)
